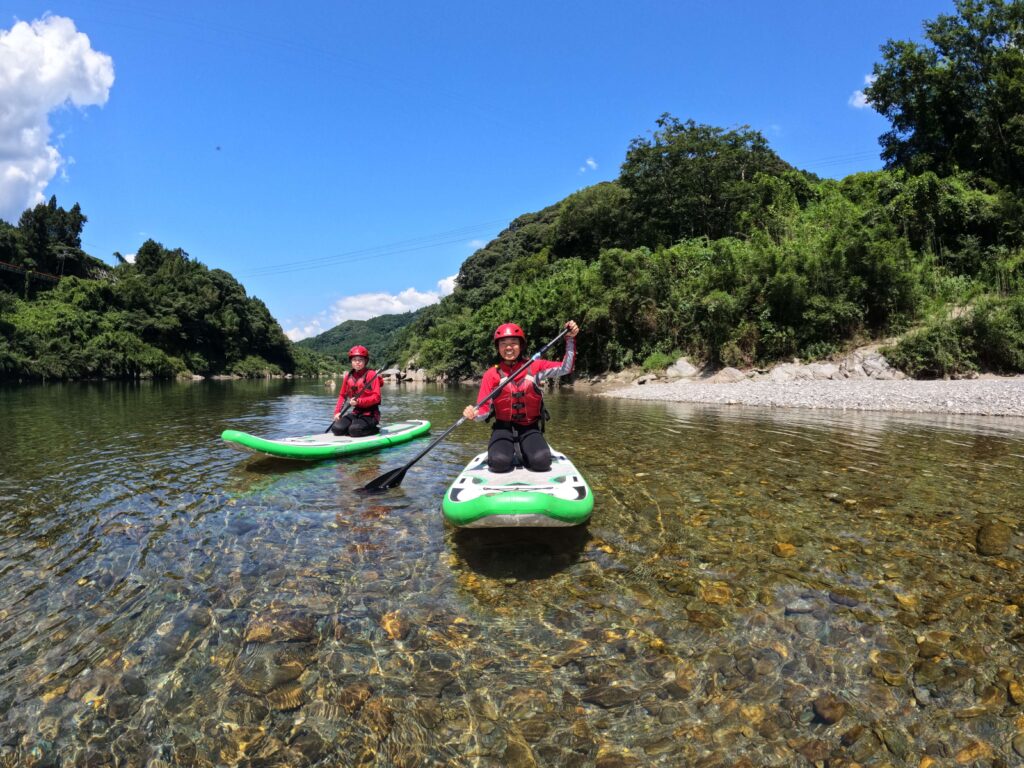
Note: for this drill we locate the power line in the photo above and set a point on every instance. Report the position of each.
(449, 237)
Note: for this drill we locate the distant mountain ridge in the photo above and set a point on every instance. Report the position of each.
(382, 335)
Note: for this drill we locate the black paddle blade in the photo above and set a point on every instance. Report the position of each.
(391, 479)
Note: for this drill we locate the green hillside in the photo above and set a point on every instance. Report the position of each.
(707, 244)
(66, 315)
(382, 335)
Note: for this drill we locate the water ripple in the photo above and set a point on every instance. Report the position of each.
(756, 587)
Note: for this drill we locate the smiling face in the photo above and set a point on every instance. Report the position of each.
(509, 348)
(358, 362)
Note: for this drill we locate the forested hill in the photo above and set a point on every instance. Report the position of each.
(382, 335)
(709, 244)
(67, 315)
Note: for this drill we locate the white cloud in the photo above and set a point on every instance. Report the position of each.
(446, 285)
(475, 245)
(857, 99)
(313, 327)
(44, 65)
(363, 306)
(590, 164)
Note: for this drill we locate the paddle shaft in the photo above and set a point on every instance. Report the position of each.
(347, 406)
(394, 477)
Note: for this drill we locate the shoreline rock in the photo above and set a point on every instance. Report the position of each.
(861, 381)
(979, 397)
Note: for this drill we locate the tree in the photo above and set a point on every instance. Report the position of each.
(694, 180)
(50, 236)
(957, 103)
(591, 220)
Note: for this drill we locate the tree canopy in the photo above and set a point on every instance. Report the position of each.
(164, 315)
(956, 103)
(707, 244)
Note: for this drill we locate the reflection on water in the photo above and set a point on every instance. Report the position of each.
(756, 587)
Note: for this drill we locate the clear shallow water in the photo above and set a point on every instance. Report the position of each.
(755, 588)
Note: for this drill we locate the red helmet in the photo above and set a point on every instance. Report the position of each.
(360, 351)
(506, 330)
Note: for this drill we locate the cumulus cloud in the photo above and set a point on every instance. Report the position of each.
(858, 99)
(590, 164)
(446, 285)
(310, 328)
(476, 245)
(363, 306)
(44, 65)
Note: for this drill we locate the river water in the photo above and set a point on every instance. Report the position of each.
(755, 588)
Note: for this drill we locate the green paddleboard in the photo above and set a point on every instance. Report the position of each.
(325, 446)
(480, 498)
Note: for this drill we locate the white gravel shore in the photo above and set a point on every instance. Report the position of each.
(983, 396)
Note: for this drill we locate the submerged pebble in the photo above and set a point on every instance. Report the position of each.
(755, 589)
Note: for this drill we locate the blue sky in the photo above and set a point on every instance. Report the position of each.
(343, 159)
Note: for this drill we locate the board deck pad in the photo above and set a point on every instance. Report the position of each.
(479, 498)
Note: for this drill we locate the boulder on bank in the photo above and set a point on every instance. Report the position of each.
(824, 371)
(681, 369)
(868, 364)
(727, 376)
(859, 364)
(415, 374)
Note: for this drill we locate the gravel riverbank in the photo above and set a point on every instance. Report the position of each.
(982, 396)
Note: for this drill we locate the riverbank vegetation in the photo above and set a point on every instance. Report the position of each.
(707, 244)
(381, 335)
(66, 315)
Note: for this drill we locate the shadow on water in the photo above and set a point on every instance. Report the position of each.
(269, 465)
(523, 554)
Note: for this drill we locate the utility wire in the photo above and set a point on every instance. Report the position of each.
(424, 242)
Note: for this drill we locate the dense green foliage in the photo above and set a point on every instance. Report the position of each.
(707, 244)
(811, 266)
(164, 315)
(956, 104)
(694, 180)
(47, 240)
(990, 337)
(381, 335)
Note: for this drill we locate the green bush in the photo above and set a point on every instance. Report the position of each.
(997, 327)
(819, 350)
(658, 361)
(943, 349)
(255, 367)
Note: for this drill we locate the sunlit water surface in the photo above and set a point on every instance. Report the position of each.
(755, 588)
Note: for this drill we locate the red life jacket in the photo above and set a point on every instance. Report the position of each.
(353, 386)
(519, 402)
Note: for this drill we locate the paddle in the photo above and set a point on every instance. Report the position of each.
(393, 478)
(348, 405)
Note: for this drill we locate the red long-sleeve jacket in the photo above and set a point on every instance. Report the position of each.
(521, 402)
(367, 397)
